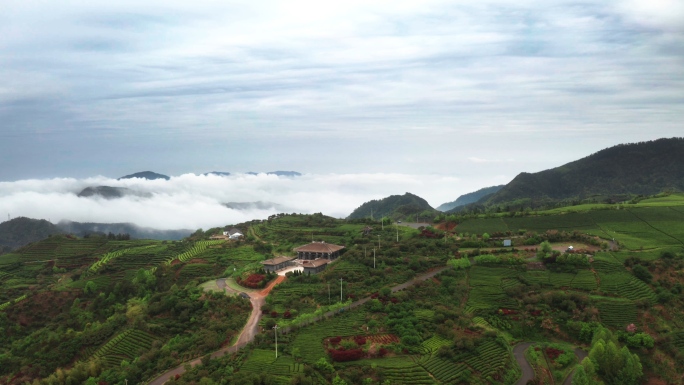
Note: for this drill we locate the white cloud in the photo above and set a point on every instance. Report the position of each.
(192, 201)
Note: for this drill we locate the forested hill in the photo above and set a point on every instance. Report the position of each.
(470, 198)
(638, 168)
(22, 231)
(394, 206)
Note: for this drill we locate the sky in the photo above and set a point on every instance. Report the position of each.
(469, 91)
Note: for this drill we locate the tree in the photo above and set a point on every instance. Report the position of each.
(485, 237)
(90, 287)
(631, 370)
(580, 377)
(324, 366)
(642, 273)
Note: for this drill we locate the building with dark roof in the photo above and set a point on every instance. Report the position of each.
(315, 266)
(315, 250)
(278, 263)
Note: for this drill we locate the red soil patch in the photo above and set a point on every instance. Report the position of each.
(383, 339)
(450, 226)
(41, 307)
(175, 262)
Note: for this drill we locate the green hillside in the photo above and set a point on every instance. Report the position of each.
(21, 231)
(469, 198)
(438, 308)
(643, 168)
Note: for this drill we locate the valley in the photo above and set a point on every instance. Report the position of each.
(432, 307)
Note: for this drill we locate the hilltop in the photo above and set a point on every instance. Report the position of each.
(395, 207)
(625, 170)
(21, 231)
(149, 175)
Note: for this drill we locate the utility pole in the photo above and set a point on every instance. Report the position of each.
(340, 289)
(378, 241)
(374, 257)
(397, 233)
(276, 337)
(382, 221)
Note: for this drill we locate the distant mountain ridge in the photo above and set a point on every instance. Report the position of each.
(149, 175)
(470, 198)
(137, 232)
(259, 205)
(394, 206)
(627, 169)
(279, 173)
(109, 192)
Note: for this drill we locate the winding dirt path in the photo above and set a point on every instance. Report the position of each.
(250, 330)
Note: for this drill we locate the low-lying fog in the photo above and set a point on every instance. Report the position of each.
(197, 201)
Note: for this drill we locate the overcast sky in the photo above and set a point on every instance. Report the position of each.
(473, 90)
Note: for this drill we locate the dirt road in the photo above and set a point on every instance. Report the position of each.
(247, 335)
(252, 326)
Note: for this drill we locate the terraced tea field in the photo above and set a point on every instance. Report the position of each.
(486, 291)
(125, 346)
(616, 312)
(309, 340)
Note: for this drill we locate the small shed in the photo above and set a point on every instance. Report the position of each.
(507, 243)
(315, 266)
(278, 263)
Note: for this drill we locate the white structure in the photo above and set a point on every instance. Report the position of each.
(507, 243)
(233, 234)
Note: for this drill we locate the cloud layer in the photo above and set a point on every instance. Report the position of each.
(89, 87)
(190, 201)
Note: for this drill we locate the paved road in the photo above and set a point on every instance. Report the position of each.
(581, 354)
(414, 225)
(252, 327)
(528, 372)
(519, 354)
